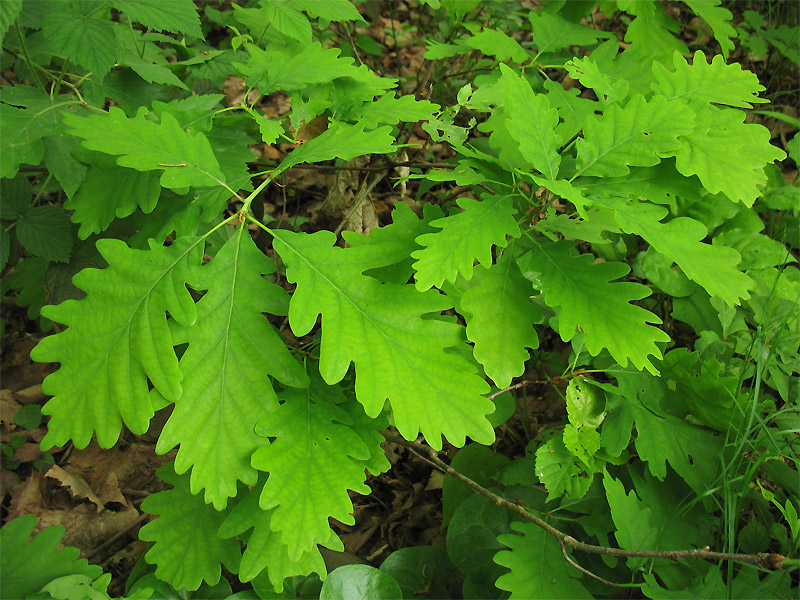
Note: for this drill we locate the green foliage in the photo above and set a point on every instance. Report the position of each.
(636, 216)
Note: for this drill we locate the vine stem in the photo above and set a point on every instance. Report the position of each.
(431, 456)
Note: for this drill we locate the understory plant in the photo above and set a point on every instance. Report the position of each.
(621, 233)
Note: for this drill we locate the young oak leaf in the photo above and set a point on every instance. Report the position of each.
(588, 299)
(464, 237)
(538, 568)
(531, 122)
(500, 320)
(638, 134)
(680, 239)
(117, 338)
(187, 549)
(727, 155)
(265, 548)
(313, 462)
(232, 351)
(717, 82)
(146, 146)
(398, 354)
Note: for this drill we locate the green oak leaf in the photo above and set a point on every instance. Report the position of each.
(719, 19)
(638, 134)
(500, 318)
(633, 520)
(398, 354)
(117, 338)
(233, 350)
(538, 568)
(587, 299)
(27, 564)
(465, 237)
(315, 459)
(187, 160)
(186, 547)
(717, 82)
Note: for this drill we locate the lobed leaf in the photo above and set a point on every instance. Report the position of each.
(233, 350)
(718, 18)
(397, 353)
(147, 146)
(117, 339)
(87, 39)
(588, 301)
(464, 238)
(552, 32)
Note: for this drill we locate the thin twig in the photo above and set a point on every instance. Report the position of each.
(428, 454)
(362, 194)
(582, 570)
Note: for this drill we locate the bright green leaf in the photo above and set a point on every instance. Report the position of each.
(175, 16)
(494, 42)
(718, 18)
(359, 581)
(560, 470)
(117, 339)
(465, 237)
(552, 32)
(380, 327)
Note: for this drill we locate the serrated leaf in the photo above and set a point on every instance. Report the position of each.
(560, 471)
(340, 140)
(287, 19)
(680, 239)
(45, 232)
(186, 548)
(9, 11)
(531, 122)
(153, 73)
(233, 350)
(87, 39)
(726, 154)
(500, 320)
(538, 568)
(465, 237)
(398, 354)
(111, 191)
(585, 404)
(552, 32)
(22, 139)
(175, 16)
(147, 146)
(640, 134)
(591, 302)
(494, 42)
(313, 462)
(117, 338)
(718, 18)
(27, 565)
(59, 160)
(716, 82)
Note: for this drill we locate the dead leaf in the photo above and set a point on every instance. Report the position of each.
(77, 485)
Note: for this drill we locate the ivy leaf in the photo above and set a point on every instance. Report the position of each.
(315, 458)
(46, 232)
(116, 340)
(717, 82)
(88, 39)
(637, 135)
(398, 354)
(28, 565)
(186, 548)
(500, 320)
(718, 18)
(680, 239)
(464, 238)
(265, 549)
(588, 301)
(531, 122)
(175, 16)
(538, 568)
(726, 154)
(232, 351)
(146, 146)
(111, 191)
